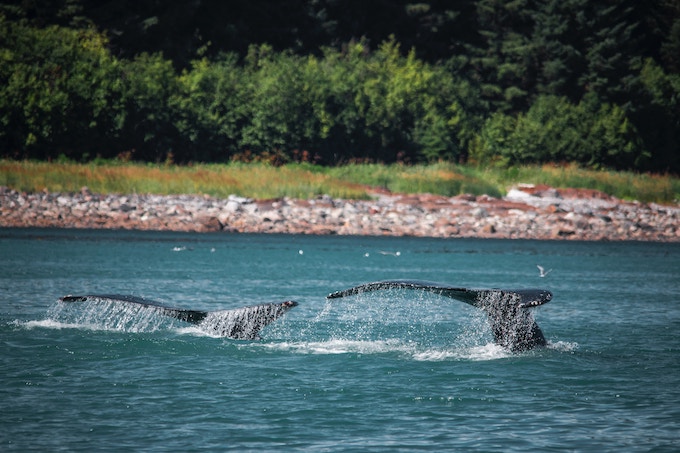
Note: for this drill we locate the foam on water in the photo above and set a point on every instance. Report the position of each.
(489, 351)
(50, 324)
(408, 350)
(196, 331)
(339, 346)
(563, 346)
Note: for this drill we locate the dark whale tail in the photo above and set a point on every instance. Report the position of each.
(512, 323)
(242, 323)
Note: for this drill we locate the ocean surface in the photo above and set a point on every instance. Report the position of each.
(395, 370)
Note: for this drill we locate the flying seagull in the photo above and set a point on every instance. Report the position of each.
(542, 271)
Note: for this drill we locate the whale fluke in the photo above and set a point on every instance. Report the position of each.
(512, 323)
(242, 323)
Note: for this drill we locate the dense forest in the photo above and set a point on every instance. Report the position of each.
(486, 82)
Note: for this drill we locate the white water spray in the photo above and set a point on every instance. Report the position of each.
(103, 314)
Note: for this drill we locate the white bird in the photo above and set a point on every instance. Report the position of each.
(543, 272)
(383, 252)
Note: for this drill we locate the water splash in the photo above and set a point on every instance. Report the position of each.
(243, 323)
(340, 346)
(108, 315)
(135, 314)
(394, 347)
(426, 327)
(489, 351)
(422, 328)
(563, 346)
(512, 323)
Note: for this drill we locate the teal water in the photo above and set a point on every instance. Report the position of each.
(394, 371)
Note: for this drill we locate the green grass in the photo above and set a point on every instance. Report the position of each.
(441, 179)
(251, 180)
(625, 185)
(307, 181)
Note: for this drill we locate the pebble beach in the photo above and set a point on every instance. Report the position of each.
(526, 212)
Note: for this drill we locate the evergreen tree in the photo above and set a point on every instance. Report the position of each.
(502, 62)
(668, 17)
(609, 46)
(556, 59)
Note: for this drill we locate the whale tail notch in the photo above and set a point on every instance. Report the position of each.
(242, 323)
(512, 323)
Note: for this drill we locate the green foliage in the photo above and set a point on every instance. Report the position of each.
(391, 108)
(149, 132)
(656, 114)
(502, 82)
(347, 105)
(63, 93)
(59, 90)
(591, 133)
(504, 56)
(279, 113)
(609, 47)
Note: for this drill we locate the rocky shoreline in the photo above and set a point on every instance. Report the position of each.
(527, 212)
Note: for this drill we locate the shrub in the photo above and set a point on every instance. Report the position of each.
(211, 108)
(150, 131)
(590, 133)
(60, 91)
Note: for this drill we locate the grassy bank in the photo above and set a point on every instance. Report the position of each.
(306, 181)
